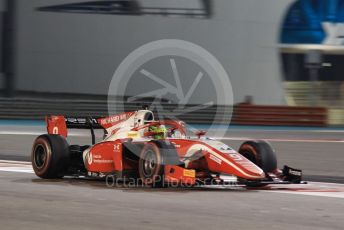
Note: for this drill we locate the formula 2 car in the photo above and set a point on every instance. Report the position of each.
(156, 153)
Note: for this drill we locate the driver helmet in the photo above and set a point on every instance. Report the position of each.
(160, 131)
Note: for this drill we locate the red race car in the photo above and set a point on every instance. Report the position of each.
(156, 153)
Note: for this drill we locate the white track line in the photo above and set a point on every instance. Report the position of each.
(332, 190)
(37, 133)
(16, 166)
(15, 162)
(17, 169)
(321, 194)
(20, 133)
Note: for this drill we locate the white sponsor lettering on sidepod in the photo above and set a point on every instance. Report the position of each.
(96, 159)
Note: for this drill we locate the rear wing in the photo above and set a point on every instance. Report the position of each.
(59, 125)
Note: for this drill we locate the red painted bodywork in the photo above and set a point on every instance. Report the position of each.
(201, 157)
(105, 157)
(217, 161)
(56, 125)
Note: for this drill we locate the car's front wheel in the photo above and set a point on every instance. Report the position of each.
(260, 153)
(151, 167)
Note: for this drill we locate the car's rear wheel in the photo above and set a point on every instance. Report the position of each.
(50, 156)
(151, 167)
(260, 153)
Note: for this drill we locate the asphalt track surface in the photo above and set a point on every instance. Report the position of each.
(27, 202)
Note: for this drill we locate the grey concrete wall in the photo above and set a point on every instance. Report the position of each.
(78, 53)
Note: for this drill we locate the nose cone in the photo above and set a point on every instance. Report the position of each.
(253, 172)
(236, 164)
(229, 162)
